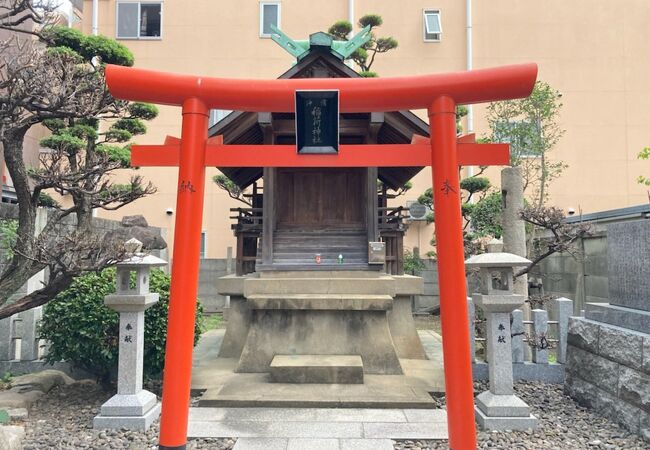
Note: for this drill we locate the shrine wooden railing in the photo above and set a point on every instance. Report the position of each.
(391, 231)
(248, 229)
(247, 219)
(392, 217)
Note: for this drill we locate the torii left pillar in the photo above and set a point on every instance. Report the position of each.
(185, 260)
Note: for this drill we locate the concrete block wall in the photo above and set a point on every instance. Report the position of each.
(209, 271)
(608, 370)
(430, 300)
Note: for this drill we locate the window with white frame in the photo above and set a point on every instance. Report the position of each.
(269, 15)
(203, 245)
(139, 20)
(432, 25)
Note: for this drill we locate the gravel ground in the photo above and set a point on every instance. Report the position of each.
(563, 425)
(63, 419)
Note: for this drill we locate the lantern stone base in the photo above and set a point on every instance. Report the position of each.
(503, 412)
(134, 412)
(504, 423)
(141, 423)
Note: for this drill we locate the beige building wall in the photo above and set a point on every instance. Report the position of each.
(590, 50)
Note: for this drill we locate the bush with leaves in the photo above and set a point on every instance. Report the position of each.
(54, 76)
(84, 332)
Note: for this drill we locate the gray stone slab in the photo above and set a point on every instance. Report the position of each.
(646, 354)
(431, 430)
(540, 333)
(333, 430)
(518, 333)
(129, 405)
(593, 368)
(501, 405)
(621, 345)
(141, 423)
(313, 444)
(426, 415)
(261, 444)
(634, 387)
(563, 311)
(583, 333)
(505, 423)
(366, 444)
(329, 369)
(634, 319)
(299, 414)
(628, 263)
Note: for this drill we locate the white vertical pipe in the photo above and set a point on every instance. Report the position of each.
(469, 58)
(349, 62)
(95, 29)
(351, 17)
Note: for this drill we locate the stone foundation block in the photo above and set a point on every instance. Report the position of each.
(583, 334)
(141, 423)
(634, 387)
(326, 369)
(593, 368)
(502, 405)
(129, 405)
(504, 423)
(620, 345)
(646, 354)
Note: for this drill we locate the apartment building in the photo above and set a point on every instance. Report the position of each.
(592, 51)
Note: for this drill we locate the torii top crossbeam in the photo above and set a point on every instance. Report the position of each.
(357, 94)
(439, 94)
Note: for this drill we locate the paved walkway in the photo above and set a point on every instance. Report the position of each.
(316, 428)
(300, 428)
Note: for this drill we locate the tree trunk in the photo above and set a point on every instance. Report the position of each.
(21, 267)
(38, 298)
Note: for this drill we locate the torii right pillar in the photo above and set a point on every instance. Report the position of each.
(451, 274)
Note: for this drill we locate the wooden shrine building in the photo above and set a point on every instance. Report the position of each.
(299, 215)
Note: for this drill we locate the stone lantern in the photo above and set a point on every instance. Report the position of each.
(499, 408)
(132, 407)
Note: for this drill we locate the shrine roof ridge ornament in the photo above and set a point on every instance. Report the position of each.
(356, 94)
(300, 48)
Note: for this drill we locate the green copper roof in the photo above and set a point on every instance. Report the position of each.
(300, 49)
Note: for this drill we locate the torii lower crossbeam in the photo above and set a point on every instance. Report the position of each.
(438, 93)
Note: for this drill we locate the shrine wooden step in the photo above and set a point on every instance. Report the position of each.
(319, 369)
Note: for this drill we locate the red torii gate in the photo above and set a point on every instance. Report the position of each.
(439, 94)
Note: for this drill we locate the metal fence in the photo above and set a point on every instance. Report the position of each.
(532, 342)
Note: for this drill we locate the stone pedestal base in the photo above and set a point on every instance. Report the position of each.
(503, 412)
(141, 423)
(134, 412)
(504, 423)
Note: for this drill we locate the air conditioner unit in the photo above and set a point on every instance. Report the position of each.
(417, 211)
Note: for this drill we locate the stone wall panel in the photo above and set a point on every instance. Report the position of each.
(621, 345)
(634, 387)
(593, 368)
(583, 334)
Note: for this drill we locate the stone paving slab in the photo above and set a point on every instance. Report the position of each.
(366, 444)
(335, 430)
(303, 415)
(312, 444)
(261, 444)
(389, 430)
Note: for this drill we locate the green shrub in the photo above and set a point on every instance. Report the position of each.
(84, 332)
(485, 215)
